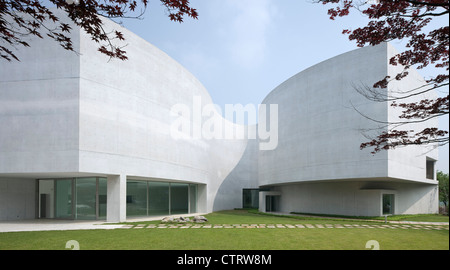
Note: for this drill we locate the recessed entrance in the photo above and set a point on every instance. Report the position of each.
(272, 203)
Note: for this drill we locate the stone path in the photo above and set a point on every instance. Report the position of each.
(288, 226)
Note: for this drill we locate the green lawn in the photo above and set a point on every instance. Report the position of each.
(234, 239)
(421, 217)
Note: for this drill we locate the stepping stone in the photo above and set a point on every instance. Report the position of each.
(320, 226)
(310, 226)
(290, 226)
(127, 226)
(300, 226)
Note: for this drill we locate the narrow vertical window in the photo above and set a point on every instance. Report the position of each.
(430, 168)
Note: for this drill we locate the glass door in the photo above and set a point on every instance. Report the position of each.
(272, 203)
(388, 204)
(64, 199)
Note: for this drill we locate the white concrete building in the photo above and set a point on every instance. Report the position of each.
(84, 138)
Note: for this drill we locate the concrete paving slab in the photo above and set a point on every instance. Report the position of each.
(54, 225)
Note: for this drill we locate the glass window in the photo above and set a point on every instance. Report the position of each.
(63, 198)
(145, 198)
(102, 198)
(136, 198)
(250, 198)
(192, 198)
(86, 189)
(158, 198)
(430, 169)
(179, 198)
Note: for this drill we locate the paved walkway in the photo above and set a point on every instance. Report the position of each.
(63, 225)
(55, 225)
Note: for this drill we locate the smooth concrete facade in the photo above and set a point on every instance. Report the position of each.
(75, 115)
(318, 166)
(80, 115)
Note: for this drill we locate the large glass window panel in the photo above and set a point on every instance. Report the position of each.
(102, 198)
(136, 198)
(63, 198)
(250, 198)
(192, 198)
(179, 198)
(86, 189)
(158, 196)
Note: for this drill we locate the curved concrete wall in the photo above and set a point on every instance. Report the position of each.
(85, 115)
(72, 115)
(320, 132)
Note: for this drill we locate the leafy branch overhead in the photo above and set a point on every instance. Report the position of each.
(22, 18)
(405, 20)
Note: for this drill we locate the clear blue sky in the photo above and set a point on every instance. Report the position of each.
(242, 49)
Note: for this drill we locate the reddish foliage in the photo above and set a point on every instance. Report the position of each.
(19, 18)
(405, 20)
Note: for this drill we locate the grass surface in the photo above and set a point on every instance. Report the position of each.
(421, 218)
(234, 239)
